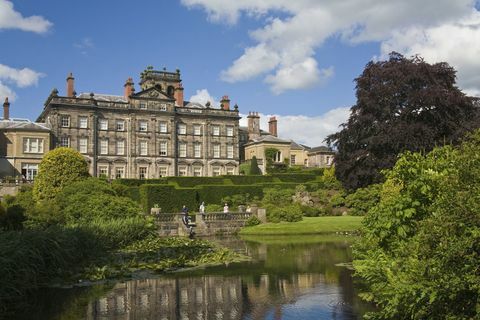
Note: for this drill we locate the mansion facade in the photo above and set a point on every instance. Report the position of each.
(149, 134)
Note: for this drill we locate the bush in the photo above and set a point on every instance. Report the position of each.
(363, 199)
(278, 197)
(252, 221)
(252, 179)
(139, 182)
(168, 198)
(295, 177)
(237, 199)
(214, 208)
(254, 169)
(215, 194)
(190, 182)
(289, 213)
(59, 168)
(310, 211)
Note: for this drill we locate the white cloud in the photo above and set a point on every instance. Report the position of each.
(19, 77)
(84, 44)
(11, 19)
(293, 31)
(457, 42)
(307, 130)
(203, 96)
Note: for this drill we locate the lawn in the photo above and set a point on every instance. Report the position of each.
(309, 225)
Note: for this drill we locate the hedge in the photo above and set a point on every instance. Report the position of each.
(214, 194)
(244, 180)
(167, 197)
(139, 182)
(190, 182)
(297, 178)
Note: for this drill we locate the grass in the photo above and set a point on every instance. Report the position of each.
(309, 225)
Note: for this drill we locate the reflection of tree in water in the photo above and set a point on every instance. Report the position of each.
(280, 276)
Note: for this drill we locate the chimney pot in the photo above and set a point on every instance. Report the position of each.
(70, 85)
(272, 126)
(178, 95)
(6, 109)
(128, 91)
(225, 103)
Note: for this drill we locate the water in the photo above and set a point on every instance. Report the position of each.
(288, 278)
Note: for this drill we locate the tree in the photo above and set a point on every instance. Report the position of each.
(254, 169)
(402, 104)
(420, 249)
(59, 168)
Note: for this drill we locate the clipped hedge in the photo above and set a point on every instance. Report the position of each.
(169, 198)
(297, 177)
(139, 182)
(190, 182)
(215, 194)
(247, 180)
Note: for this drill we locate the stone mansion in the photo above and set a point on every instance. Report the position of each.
(151, 133)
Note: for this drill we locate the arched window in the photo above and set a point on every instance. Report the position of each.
(170, 91)
(278, 157)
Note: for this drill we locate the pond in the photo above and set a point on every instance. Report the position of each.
(287, 278)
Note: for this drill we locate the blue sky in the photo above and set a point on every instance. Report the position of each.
(296, 60)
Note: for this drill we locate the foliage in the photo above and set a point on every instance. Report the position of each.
(421, 247)
(269, 159)
(309, 211)
(244, 168)
(213, 207)
(254, 169)
(252, 221)
(237, 199)
(296, 177)
(59, 168)
(91, 199)
(277, 197)
(215, 194)
(169, 198)
(286, 213)
(363, 199)
(402, 104)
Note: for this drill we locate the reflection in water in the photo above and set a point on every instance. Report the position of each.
(283, 281)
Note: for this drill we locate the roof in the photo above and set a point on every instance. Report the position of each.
(103, 97)
(269, 138)
(296, 146)
(321, 149)
(22, 124)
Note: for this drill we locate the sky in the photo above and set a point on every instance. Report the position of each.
(296, 60)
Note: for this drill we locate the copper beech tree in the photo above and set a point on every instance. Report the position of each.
(402, 104)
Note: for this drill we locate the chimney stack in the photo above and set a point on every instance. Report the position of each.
(253, 125)
(225, 103)
(178, 95)
(272, 126)
(6, 109)
(129, 90)
(70, 86)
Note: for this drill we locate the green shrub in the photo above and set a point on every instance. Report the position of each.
(59, 168)
(337, 200)
(215, 194)
(277, 196)
(295, 177)
(252, 179)
(252, 221)
(254, 169)
(168, 198)
(363, 199)
(190, 182)
(237, 199)
(139, 182)
(213, 207)
(288, 213)
(309, 211)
